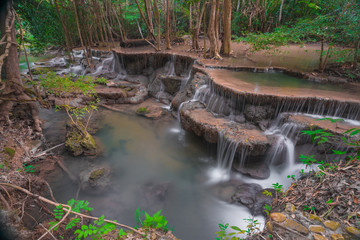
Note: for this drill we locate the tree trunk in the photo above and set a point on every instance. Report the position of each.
(167, 23)
(66, 33)
(356, 54)
(13, 90)
(281, 9)
(149, 15)
(226, 46)
(158, 24)
(196, 30)
(217, 23)
(79, 32)
(214, 51)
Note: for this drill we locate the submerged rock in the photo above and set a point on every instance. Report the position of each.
(252, 196)
(96, 180)
(79, 142)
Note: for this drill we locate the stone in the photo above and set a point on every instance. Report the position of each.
(315, 217)
(316, 228)
(96, 180)
(293, 225)
(319, 237)
(353, 231)
(278, 217)
(78, 142)
(289, 208)
(269, 226)
(332, 225)
(337, 236)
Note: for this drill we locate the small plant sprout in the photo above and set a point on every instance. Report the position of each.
(291, 176)
(310, 209)
(329, 201)
(267, 193)
(267, 209)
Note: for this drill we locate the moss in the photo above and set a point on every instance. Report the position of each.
(142, 110)
(97, 174)
(9, 151)
(78, 143)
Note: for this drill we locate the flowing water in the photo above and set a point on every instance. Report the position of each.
(152, 170)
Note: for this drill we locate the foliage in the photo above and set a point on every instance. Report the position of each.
(251, 228)
(66, 86)
(157, 221)
(94, 231)
(29, 168)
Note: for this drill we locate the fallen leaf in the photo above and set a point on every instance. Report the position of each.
(356, 200)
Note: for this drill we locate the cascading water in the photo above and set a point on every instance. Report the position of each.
(286, 134)
(171, 71)
(106, 65)
(226, 150)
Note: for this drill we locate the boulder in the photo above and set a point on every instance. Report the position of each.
(79, 142)
(96, 179)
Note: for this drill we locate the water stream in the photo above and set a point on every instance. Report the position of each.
(155, 165)
(152, 170)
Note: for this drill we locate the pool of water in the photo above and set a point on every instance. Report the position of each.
(278, 79)
(143, 153)
(32, 60)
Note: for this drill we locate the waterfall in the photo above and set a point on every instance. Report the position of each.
(226, 150)
(106, 65)
(118, 66)
(286, 134)
(171, 71)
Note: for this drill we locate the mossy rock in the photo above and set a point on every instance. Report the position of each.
(10, 152)
(96, 174)
(80, 142)
(142, 111)
(96, 180)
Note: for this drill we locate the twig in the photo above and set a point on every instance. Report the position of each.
(69, 208)
(47, 150)
(278, 235)
(63, 219)
(23, 209)
(47, 231)
(50, 191)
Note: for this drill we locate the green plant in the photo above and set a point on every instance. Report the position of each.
(142, 110)
(101, 80)
(157, 221)
(291, 176)
(29, 168)
(307, 208)
(94, 231)
(267, 209)
(267, 193)
(1, 166)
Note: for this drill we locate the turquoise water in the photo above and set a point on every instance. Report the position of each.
(276, 79)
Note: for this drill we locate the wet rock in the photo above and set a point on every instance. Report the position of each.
(150, 111)
(195, 118)
(96, 180)
(257, 114)
(198, 80)
(172, 84)
(245, 194)
(257, 171)
(332, 225)
(79, 142)
(261, 200)
(122, 92)
(154, 195)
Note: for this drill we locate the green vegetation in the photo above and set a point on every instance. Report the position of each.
(10, 152)
(157, 221)
(142, 111)
(251, 228)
